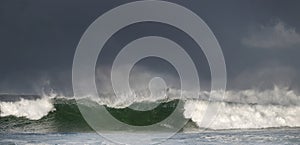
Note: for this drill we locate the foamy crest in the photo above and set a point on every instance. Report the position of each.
(31, 109)
(233, 116)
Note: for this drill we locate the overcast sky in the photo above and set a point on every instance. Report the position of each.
(38, 38)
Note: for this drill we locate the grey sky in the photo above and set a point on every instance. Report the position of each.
(260, 41)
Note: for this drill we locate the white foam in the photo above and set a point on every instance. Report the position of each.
(31, 109)
(233, 116)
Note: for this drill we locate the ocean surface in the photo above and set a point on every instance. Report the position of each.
(279, 136)
(244, 117)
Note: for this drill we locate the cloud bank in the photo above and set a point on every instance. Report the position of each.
(278, 35)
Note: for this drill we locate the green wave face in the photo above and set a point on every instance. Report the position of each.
(144, 118)
(68, 118)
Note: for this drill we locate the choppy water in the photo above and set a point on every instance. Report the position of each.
(283, 136)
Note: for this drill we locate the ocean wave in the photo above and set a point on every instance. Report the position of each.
(244, 109)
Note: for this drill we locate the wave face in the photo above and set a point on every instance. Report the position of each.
(245, 109)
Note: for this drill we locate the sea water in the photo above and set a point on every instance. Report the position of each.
(280, 136)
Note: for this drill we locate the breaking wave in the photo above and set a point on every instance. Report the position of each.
(31, 109)
(244, 116)
(246, 109)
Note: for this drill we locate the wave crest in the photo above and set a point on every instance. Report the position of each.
(244, 116)
(30, 109)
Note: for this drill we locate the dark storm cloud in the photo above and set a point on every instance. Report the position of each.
(39, 38)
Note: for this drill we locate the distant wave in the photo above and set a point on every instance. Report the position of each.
(244, 109)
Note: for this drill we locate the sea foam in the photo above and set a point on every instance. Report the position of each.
(30, 109)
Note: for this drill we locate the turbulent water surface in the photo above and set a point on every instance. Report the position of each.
(281, 136)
